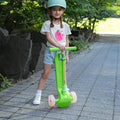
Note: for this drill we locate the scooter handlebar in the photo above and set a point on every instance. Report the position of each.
(66, 49)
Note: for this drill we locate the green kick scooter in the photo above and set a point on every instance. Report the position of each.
(64, 97)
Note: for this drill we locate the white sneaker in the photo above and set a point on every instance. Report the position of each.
(37, 99)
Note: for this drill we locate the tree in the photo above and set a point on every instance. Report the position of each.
(21, 14)
(88, 12)
(76, 10)
(99, 11)
(32, 13)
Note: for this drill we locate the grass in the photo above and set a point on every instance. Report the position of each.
(111, 25)
(5, 82)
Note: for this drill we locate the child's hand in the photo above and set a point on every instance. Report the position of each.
(62, 48)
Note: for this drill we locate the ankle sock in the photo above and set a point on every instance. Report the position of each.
(39, 91)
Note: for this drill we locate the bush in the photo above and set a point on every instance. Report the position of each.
(80, 44)
(5, 82)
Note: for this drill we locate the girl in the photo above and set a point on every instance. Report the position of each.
(56, 33)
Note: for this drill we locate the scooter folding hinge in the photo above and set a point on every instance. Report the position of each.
(62, 55)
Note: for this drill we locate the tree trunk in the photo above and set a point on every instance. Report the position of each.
(89, 23)
(76, 23)
(93, 27)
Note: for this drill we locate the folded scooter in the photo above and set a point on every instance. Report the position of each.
(64, 97)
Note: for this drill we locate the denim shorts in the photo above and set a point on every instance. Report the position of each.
(49, 56)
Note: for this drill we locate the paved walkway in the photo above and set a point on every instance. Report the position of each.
(94, 75)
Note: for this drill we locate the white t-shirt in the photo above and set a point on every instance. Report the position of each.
(58, 34)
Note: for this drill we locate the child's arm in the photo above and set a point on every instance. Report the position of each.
(48, 35)
(67, 52)
(67, 44)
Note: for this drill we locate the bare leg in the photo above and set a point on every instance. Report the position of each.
(45, 75)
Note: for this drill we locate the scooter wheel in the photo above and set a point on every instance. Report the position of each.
(74, 96)
(51, 100)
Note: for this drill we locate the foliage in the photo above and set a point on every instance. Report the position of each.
(32, 13)
(88, 12)
(116, 8)
(80, 44)
(5, 82)
(21, 14)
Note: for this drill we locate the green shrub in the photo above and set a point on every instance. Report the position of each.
(80, 44)
(5, 82)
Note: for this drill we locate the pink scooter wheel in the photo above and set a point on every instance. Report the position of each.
(74, 96)
(51, 100)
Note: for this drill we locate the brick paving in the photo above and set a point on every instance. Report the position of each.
(93, 74)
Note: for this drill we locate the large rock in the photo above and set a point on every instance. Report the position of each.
(16, 55)
(39, 64)
(21, 52)
(38, 48)
(3, 38)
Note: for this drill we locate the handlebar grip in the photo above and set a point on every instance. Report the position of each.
(66, 48)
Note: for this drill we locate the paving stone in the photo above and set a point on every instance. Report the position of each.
(23, 96)
(43, 106)
(8, 108)
(91, 118)
(6, 97)
(24, 117)
(10, 91)
(116, 117)
(117, 109)
(2, 102)
(99, 109)
(66, 111)
(32, 112)
(96, 115)
(17, 99)
(3, 119)
(51, 118)
(4, 114)
(15, 103)
(61, 116)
